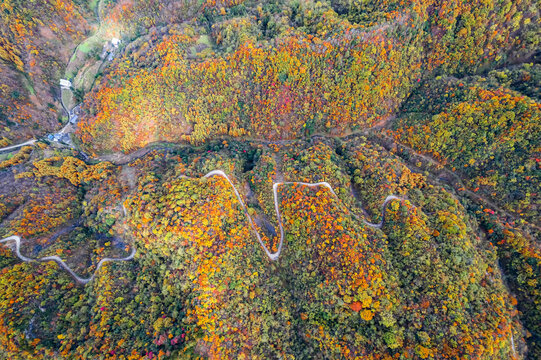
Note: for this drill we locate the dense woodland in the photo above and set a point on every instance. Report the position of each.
(435, 102)
(487, 132)
(425, 285)
(292, 69)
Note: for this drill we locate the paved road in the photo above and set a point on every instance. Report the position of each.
(17, 241)
(7, 148)
(272, 256)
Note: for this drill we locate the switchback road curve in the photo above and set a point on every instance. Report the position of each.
(61, 262)
(272, 256)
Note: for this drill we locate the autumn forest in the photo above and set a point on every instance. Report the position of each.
(283, 179)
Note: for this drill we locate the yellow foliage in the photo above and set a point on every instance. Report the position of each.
(72, 169)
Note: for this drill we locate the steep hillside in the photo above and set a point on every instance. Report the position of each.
(36, 42)
(283, 179)
(201, 283)
(291, 69)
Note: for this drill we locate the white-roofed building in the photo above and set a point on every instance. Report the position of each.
(65, 84)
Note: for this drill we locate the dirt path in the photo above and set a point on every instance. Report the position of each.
(123, 159)
(448, 176)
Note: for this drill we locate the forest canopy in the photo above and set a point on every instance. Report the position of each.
(287, 179)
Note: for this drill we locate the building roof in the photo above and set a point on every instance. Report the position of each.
(65, 83)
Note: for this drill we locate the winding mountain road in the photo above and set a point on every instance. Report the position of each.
(272, 256)
(61, 262)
